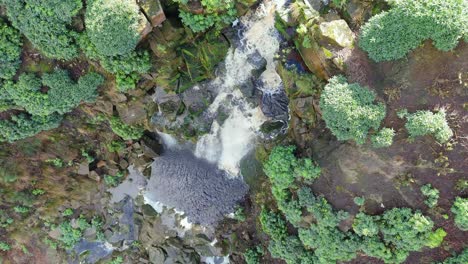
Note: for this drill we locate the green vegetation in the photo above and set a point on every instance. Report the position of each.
(126, 67)
(125, 131)
(460, 210)
(114, 180)
(67, 212)
(359, 201)
(112, 26)
(116, 260)
(461, 258)
(389, 237)
(10, 51)
(46, 24)
(383, 138)
(392, 34)
(63, 94)
(22, 126)
(45, 109)
(253, 255)
(21, 209)
(349, 110)
(217, 13)
(431, 194)
(423, 123)
(4, 246)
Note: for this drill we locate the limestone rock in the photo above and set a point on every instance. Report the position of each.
(338, 32)
(132, 113)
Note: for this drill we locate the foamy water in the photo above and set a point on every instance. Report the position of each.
(228, 143)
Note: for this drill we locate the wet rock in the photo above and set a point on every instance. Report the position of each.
(275, 105)
(316, 61)
(337, 32)
(156, 255)
(95, 250)
(169, 104)
(152, 146)
(317, 4)
(304, 109)
(130, 187)
(197, 99)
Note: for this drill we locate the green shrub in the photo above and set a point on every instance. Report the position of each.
(10, 51)
(63, 94)
(125, 131)
(114, 180)
(21, 126)
(424, 123)
(217, 13)
(461, 258)
(289, 249)
(391, 35)
(359, 201)
(67, 212)
(113, 25)
(282, 167)
(69, 235)
(432, 195)
(460, 210)
(46, 24)
(253, 255)
(383, 138)
(329, 243)
(273, 225)
(21, 209)
(436, 238)
(126, 68)
(406, 230)
(365, 225)
(349, 110)
(4, 246)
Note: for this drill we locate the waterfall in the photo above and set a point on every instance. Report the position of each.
(228, 143)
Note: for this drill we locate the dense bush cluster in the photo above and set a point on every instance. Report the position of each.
(389, 237)
(423, 123)
(113, 25)
(283, 168)
(10, 51)
(217, 13)
(114, 45)
(392, 34)
(23, 126)
(62, 96)
(349, 110)
(460, 210)
(45, 100)
(46, 24)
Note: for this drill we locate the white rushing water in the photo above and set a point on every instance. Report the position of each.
(228, 143)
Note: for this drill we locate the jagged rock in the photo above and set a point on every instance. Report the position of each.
(156, 255)
(304, 109)
(316, 62)
(153, 11)
(337, 32)
(197, 99)
(83, 168)
(132, 112)
(169, 104)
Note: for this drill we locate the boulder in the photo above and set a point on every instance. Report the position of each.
(304, 109)
(156, 255)
(132, 112)
(153, 11)
(337, 32)
(169, 104)
(197, 99)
